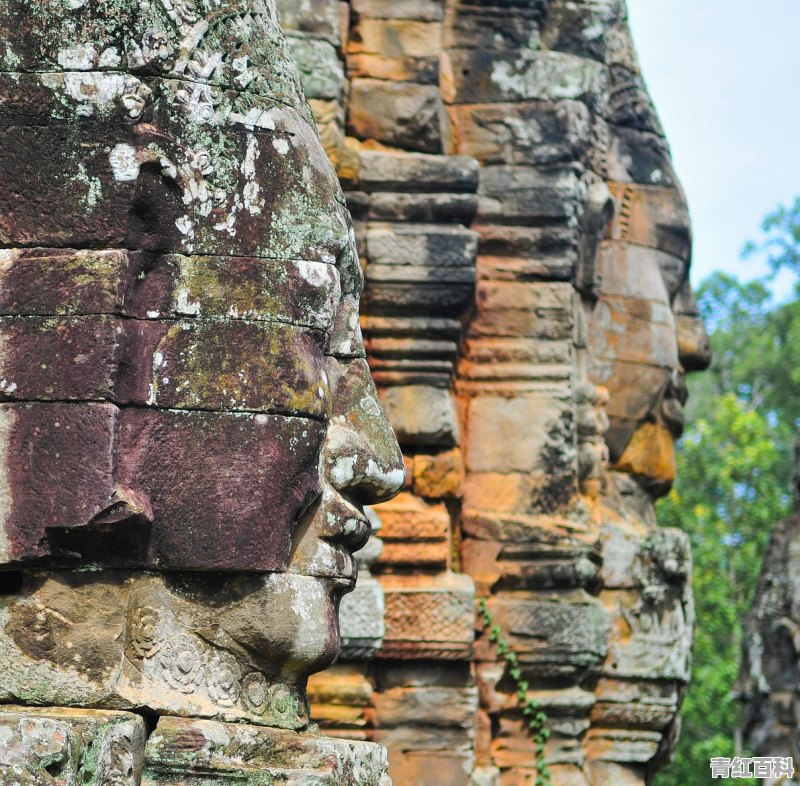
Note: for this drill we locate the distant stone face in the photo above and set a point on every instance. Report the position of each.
(529, 323)
(189, 431)
(768, 679)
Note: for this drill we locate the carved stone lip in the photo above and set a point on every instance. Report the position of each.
(332, 529)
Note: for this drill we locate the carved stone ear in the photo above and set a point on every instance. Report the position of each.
(122, 528)
(126, 505)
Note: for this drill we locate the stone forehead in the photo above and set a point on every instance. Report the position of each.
(235, 44)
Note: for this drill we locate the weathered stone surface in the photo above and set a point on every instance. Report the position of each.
(559, 636)
(320, 69)
(189, 429)
(566, 357)
(341, 700)
(445, 601)
(415, 533)
(64, 746)
(439, 476)
(768, 678)
(51, 445)
(400, 114)
(417, 173)
(250, 755)
(361, 612)
(422, 415)
(317, 18)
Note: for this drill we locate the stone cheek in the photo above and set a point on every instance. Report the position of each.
(222, 485)
(190, 490)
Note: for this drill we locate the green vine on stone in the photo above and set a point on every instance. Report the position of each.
(531, 711)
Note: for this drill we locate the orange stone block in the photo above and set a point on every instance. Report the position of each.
(439, 476)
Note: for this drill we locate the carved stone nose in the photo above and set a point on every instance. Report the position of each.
(694, 345)
(361, 457)
(367, 472)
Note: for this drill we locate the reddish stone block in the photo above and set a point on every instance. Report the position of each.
(51, 281)
(222, 486)
(236, 365)
(57, 473)
(271, 290)
(59, 358)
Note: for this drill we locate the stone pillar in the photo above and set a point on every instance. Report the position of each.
(411, 205)
(536, 472)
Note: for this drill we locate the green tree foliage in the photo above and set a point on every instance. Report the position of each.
(734, 468)
(782, 239)
(733, 488)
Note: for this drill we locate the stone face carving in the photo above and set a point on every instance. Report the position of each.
(768, 677)
(568, 382)
(189, 429)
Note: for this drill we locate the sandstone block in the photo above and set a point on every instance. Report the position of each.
(652, 216)
(315, 18)
(511, 194)
(416, 172)
(482, 76)
(444, 601)
(580, 30)
(414, 533)
(65, 746)
(321, 71)
(71, 447)
(421, 415)
(361, 623)
(198, 287)
(429, 10)
(427, 705)
(50, 282)
(416, 208)
(404, 115)
(640, 156)
(236, 365)
(340, 699)
(60, 358)
(426, 768)
(439, 476)
(528, 133)
(564, 636)
(248, 754)
(432, 246)
(536, 310)
(510, 435)
(217, 482)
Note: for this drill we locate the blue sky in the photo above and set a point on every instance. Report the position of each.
(725, 77)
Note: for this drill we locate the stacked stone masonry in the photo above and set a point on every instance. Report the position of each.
(528, 321)
(190, 430)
